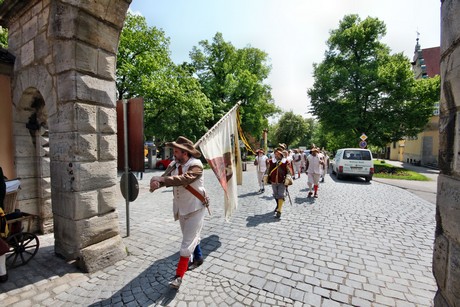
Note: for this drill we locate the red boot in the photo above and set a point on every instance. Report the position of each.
(182, 267)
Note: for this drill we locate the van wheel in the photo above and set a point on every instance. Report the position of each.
(339, 176)
(368, 178)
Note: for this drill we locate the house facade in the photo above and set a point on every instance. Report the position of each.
(422, 149)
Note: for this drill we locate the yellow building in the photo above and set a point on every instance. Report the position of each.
(422, 149)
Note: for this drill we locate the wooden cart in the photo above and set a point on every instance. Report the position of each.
(23, 244)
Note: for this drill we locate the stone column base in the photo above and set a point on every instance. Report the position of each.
(100, 255)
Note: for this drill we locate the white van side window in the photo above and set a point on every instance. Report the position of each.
(357, 155)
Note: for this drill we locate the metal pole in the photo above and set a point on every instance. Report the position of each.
(265, 140)
(125, 142)
(289, 195)
(216, 124)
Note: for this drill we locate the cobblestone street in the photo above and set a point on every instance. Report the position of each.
(358, 244)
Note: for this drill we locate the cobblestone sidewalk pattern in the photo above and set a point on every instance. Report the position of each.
(358, 244)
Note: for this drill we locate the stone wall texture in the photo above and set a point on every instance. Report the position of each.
(64, 75)
(446, 255)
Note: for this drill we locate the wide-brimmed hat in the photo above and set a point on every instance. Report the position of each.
(314, 149)
(260, 150)
(186, 145)
(282, 146)
(279, 149)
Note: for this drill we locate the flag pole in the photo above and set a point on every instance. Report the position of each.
(171, 165)
(217, 124)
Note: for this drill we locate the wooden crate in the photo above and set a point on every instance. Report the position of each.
(10, 202)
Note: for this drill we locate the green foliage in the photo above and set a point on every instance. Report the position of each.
(307, 137)
(143, 54)
(290, 129)
(3, 37)
(228, 75)
(361, 88)
(388, 171)
(174, 102)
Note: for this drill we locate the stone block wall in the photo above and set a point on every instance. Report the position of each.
(65, 76)
(446, 255)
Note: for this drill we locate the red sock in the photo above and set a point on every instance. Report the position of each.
(315, 188)
(182, 266)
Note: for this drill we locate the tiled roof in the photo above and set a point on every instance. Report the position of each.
(6, 57)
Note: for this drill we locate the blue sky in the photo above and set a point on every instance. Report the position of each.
(292, 32)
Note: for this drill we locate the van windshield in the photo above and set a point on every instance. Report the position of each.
(357, 155)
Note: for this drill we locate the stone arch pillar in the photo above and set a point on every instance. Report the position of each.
(66, 51)
(446, 256)
(32, 157)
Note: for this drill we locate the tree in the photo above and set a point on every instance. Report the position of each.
(173, 100)
(290, 128)
(3, 37)
(361, 88)
(308, 134)
(228, 75)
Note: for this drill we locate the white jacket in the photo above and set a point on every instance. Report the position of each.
(184, 201)
(261, 163)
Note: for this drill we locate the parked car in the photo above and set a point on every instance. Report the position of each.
(355, 162)
(163, 164)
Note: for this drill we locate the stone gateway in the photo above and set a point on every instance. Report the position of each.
(64, 121)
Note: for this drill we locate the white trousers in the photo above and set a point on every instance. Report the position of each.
(191, 225)
(2, 265)
(260, 179)
(313, 179)
(297, 167)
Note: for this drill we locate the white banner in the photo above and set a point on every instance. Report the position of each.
(219, 150)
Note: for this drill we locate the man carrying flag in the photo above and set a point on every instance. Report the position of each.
(189, 201)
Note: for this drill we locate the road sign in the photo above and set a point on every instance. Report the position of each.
(363, 137)
(363, 144)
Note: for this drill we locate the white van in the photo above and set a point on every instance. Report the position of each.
(355, 162)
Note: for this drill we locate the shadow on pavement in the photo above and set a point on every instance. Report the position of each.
(153, 283)
(43, 266)
(304, 200)
(350, 180)
(249, 194)
(419, 169)
(269, 217)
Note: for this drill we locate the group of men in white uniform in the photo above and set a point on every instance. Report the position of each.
(314, 162)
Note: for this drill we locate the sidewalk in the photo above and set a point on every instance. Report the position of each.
(426, 190)
(358, 244)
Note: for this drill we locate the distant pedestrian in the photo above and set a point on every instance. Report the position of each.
(323, 156)
(260, 162)
(186, 178)
(288, 157)
(304, 155)
(279, 176)
(297, 161)
(314, 165)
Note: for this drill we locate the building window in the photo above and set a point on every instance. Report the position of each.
(436, 109)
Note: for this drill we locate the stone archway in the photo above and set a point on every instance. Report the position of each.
(64, 88)
(32, 157)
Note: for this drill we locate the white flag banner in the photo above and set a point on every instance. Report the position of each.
(219, 150)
